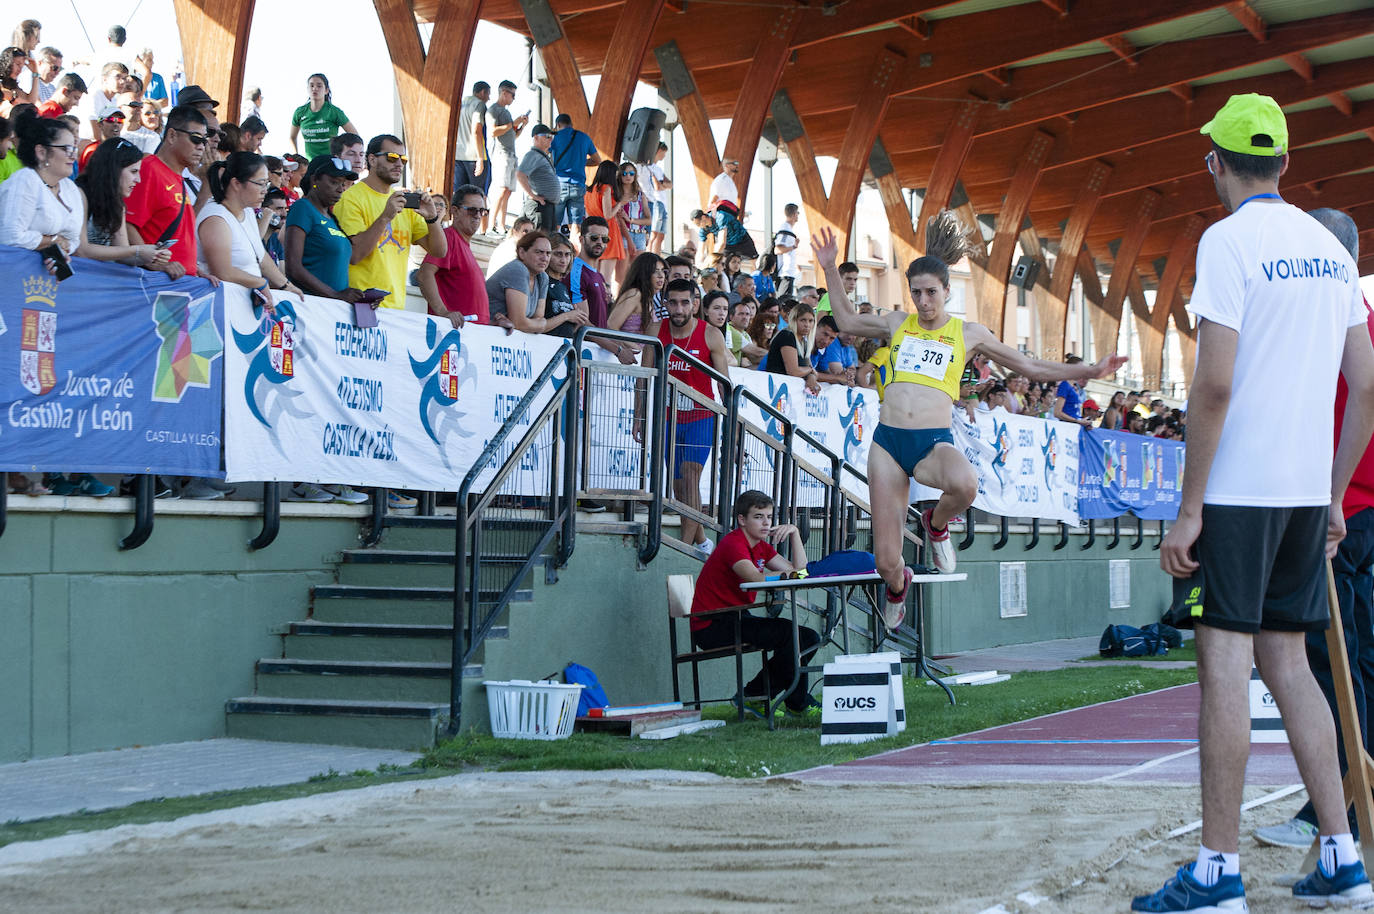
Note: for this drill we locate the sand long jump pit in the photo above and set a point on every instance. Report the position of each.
(646, 841)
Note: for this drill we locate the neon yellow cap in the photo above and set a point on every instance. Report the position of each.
(1250, 124)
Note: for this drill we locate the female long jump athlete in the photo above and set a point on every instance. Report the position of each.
(928, 353)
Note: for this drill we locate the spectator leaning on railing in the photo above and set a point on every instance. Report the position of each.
(317, 250)
(453, 284)
(227, 229)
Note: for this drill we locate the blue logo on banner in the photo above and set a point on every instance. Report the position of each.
(781, 400)
(444, 371)
(852, 422)
(132, 384)
(1050, 449)
(1001, 440)
(271, 346)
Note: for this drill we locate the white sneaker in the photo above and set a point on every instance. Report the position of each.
(1293, 833)
(308, 491)
(345, 495)
(894, 608)
(706, 546)
(940, 546)
(199, 490)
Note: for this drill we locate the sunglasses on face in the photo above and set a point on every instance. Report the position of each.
(276, 171)
(627, 174)
(601, 238)
(392, 157)
(69, 149)
(199, 139)
(474, 210)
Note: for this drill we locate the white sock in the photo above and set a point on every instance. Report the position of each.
(1338, 851)
(1212, 865)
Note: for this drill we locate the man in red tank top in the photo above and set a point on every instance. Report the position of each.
(694, 426)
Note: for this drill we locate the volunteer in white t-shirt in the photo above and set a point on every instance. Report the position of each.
(657, 190)
(1279, 316)
(723, 186)
(785, 246)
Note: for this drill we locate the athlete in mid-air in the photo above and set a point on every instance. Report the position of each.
(921, 382)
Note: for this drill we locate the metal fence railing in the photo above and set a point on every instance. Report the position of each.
(514, 502)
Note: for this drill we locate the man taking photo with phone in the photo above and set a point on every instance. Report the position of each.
(382, 224)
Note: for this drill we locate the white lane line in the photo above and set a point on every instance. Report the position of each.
(1144, 766)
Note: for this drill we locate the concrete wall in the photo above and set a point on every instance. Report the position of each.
(101, 649)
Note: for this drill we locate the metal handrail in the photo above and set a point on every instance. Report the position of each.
(653, 532)
(468, 630)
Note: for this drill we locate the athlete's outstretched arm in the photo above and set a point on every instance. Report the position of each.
(826, 249)
(979, 339)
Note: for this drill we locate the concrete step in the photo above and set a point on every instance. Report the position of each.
(403, 532)
(372, 641)
(418, 567)
(356, 680)
(377, 724)
(393, 605)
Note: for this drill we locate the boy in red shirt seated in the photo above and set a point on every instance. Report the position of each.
(743, 555)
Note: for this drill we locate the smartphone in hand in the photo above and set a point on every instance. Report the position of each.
(412, 199)
(55, 253)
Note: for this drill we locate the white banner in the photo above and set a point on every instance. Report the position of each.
(1026, 467)
(410, 403)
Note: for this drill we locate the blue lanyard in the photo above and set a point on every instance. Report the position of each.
(1257, 197)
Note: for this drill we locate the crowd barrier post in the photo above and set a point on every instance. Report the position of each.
(1035, 535)
(143, 514)
(271, 516)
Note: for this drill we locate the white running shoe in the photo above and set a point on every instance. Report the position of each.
(345, 495)
(1293, 833)
(940, 546)
(308, 491)
(705, 547)
(894, 609)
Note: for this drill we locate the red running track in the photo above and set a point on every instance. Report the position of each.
(1149, 738)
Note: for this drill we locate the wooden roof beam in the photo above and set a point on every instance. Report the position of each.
(1107, 324)
(620, 73)
(979, 42)
(914, 25)
(1245, 14)
(1010, 217)
(1180, 260)
(1054, 318)
(1167, 66)
(430, 84)
(1122, 48)
(1059, 6)
(756, 95)
(1300, 65)
(1342, 103)
(864, 124)
(945, 174)
(1183, 91)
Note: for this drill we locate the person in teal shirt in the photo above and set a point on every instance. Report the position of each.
(317, 250)
(319, 119)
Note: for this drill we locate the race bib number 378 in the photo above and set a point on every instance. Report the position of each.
(928, 358)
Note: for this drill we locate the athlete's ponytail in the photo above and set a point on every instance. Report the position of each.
(947, 242)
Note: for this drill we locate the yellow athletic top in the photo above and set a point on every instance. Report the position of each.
(933, 358)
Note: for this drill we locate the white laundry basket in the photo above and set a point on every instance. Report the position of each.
(521, 709)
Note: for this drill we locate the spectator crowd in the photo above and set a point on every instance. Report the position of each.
(110, 160)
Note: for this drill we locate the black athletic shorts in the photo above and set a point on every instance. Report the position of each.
(1259, 568)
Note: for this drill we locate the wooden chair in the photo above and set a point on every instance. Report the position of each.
(680, 590)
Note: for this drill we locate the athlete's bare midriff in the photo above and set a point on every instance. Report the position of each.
(910, 405)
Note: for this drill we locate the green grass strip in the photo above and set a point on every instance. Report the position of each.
(736, 750)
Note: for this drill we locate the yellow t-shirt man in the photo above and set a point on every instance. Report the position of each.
(386, 267)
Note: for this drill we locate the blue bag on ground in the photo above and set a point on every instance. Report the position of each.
(592, 695)
(1129, 641)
